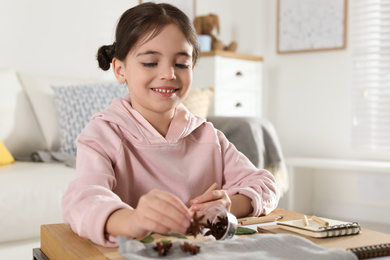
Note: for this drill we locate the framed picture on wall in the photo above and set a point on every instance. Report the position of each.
(311, 25)
(187, 6)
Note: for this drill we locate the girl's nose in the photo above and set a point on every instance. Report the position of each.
(168, 73)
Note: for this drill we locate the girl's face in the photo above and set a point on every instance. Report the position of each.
(158, 72)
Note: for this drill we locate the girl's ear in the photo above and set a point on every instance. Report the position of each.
(118, 68)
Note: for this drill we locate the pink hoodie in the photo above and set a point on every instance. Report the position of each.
(120, 157)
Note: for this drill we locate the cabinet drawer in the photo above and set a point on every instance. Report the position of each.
(235, 74)
(229, 103)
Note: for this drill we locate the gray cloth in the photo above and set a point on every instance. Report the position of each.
(256, 139)
(263, 246)
(54, 157)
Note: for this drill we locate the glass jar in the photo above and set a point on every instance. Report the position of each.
(221, 223)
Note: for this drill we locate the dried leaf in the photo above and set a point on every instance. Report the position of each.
(244, 231)
(147, 239)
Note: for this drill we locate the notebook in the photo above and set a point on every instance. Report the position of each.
(365, 252)
(313, 229)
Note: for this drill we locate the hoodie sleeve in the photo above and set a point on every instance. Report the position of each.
(242, 177)
(89, 199)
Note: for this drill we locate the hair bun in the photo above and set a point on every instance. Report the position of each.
(105, 55)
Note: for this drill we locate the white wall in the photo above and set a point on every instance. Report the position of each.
(57, 37)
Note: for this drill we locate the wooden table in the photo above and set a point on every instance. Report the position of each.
(58, 241)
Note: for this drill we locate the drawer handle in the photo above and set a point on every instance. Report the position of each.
(238, 73)
(238, 104)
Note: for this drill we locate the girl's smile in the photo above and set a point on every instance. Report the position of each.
(165, 91)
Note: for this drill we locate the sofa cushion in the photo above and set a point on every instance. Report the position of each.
(5, 156)
(40, 94)
(19, 128)
(198, 101)
(30, 196)
(75, 106)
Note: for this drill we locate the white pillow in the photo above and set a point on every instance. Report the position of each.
(19, 128)
(75, 106)
(40, 94)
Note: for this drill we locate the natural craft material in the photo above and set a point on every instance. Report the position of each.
(162, 248)
(188, 247)
(218, 228)
(147, 239)
(258, 220)
(244, 231)
(195, 227)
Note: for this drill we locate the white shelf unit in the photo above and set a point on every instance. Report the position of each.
(237, 82)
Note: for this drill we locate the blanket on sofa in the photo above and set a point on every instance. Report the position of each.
(258, 140)
(53, 157)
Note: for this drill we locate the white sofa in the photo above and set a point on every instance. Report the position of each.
(31, 192)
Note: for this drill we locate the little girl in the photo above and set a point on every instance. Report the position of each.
(145, 159)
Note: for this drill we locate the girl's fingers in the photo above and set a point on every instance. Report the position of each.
(168, 216)
(210, 196)
(211, 199)
(175, 202)
(162, 212)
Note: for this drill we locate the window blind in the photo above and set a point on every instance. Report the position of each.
(370, 43)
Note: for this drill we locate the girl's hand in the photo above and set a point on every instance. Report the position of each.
(214, 198)
(157, 211)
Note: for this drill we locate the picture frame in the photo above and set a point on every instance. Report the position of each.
(187, 6)
(311, 25)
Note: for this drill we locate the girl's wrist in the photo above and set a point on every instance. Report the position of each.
(119, 223)
(241, 205)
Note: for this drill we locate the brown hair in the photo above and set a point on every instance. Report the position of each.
(139, 21)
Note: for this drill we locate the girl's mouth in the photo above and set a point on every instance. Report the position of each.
(161, 90)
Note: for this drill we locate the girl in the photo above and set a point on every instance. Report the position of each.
(145, 159)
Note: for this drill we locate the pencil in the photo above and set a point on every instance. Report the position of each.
(320, 221)
(305, 221)
(258, 220)
(212, 187)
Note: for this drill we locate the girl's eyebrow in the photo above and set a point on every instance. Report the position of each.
(183, 53)
(148, 53)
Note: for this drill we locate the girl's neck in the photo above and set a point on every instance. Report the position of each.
(160, 122)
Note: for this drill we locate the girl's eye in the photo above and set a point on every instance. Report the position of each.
(182, 66)
(149, 64)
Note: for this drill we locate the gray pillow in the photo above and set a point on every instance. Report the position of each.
(75, 106)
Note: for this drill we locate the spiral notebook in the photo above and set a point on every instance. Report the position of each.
(334, 229)
(371, 251)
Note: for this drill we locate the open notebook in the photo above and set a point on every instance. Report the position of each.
(314, 229)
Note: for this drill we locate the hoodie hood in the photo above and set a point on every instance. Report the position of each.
(135, 126)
